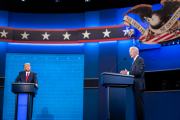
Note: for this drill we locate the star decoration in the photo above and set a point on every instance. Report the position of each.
(46, 36)
(24, 35)
(106, 33)
(4, 33)
(126, 31)
(66, 36)
(86, 34)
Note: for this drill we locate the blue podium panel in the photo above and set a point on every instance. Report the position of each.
(25, 92)
(22, 106)
(120, 103)
(119, 95)
(116, 99)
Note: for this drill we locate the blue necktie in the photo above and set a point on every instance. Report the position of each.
(133, 61)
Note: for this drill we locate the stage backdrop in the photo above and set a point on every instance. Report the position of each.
(60, 80)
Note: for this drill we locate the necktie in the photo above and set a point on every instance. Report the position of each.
(133, 61)
(27, 77)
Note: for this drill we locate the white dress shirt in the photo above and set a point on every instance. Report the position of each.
(28, 73)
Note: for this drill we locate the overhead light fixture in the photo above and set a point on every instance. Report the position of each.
(87, 0)
(178, 41)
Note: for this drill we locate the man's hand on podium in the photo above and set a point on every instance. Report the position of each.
(124, 72)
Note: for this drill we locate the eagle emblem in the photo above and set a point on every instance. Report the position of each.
(162, 25)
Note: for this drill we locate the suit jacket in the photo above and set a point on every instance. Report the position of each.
(22, 77)
(138, 69)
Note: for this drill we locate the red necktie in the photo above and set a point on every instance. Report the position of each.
(27, 77)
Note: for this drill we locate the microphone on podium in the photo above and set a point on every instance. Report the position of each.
(117, 63)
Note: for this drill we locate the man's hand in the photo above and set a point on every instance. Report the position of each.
(36, 85)
(124, 72)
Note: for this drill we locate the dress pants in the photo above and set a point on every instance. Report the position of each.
(139, 104)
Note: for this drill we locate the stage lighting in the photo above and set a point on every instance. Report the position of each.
(172, 43)
(87, 0)
(23, 0)
(165, 44)
(178, 41)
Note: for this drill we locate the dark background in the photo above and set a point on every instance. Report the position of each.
(67, 6)
(162, 80)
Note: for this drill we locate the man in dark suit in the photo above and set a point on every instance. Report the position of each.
(27, 76)
(137, 69)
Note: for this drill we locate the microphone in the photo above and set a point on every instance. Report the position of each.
(117, 63)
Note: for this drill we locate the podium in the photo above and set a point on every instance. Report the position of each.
(24, 100)
(119, 96)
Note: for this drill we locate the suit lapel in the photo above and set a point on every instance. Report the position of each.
(24, 76)
(136, 59)
(134, 63)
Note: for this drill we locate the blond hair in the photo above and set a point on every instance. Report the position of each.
(26, 64)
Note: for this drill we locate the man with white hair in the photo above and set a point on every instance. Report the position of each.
(137, 69)
(27, 76)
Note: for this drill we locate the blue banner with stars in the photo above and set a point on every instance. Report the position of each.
(119, 32)
(6, 34)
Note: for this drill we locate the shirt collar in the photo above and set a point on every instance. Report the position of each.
(28, 72)
(136, 57)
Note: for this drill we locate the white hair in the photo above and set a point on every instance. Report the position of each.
(135, 49)
(26, 64)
